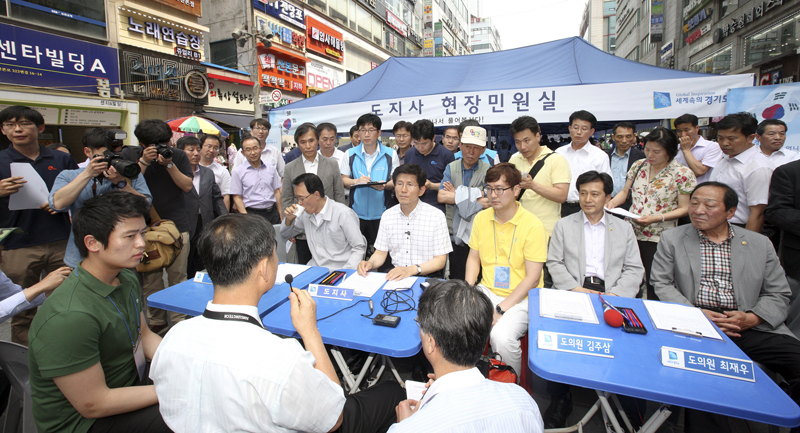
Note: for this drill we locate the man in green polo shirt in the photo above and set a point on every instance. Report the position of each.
(89, 343)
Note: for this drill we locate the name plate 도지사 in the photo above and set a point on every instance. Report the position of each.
(331, 292)
(709, 364)
(202, 277)
(581, 344)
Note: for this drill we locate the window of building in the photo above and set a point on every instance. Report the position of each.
(56, 15)
(633, 55)
(646, 46)
(364, 20)
(224, 53)
(717, 63)
(338, 11)
(609, 8)
(481, 47)
(377, 31)
(352, 15)
(322, 5)
(728, 6)
(772, 42)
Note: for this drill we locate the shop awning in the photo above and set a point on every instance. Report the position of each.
(241, 121)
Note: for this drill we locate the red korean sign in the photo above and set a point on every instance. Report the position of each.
(324, 40)
(280, 71)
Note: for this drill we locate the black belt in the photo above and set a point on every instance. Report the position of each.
(594, 280)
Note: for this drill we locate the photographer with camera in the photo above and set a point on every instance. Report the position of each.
(106, 171)
(168, 174)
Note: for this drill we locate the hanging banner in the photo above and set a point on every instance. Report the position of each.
(660, 99)
(780, 102)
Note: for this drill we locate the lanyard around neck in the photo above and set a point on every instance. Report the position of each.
(130, 334)
(237, 317)
(513, 239)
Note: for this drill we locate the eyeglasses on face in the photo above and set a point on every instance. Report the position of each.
(13, 125)
(368, 131)
(496, 191)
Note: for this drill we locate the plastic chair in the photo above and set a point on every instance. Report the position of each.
(14, 362)
(281, 243)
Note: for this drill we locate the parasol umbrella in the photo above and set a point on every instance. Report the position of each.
(196, 125)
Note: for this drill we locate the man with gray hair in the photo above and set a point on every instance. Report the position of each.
(454, 322)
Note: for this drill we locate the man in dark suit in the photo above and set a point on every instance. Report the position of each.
(783, 211)
(204, 201)
(310, 161)
(622, 156)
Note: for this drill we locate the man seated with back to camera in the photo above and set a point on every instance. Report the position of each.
(331, 228)
(223, 371)
(413, 232)
(454, 321)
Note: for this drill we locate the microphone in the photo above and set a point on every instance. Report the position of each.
(289, 280)
(408, 233)
(612, 316)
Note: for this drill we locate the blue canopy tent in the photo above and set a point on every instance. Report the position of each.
(547, 81)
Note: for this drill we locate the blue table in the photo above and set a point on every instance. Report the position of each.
(191, 298)
(349, 329)
(636, 368)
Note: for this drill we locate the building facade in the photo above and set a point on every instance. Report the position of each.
(484, 37)
(599, 24)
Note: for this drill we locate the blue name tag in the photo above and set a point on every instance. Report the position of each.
(331, 292)
(581, 344)
(202, 277)
(710, 364)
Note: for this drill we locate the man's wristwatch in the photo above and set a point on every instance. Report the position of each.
(499, 310)
(169, 165)
(419, 269)
(121, 184)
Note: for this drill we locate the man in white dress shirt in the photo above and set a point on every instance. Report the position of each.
(771, 134)
(582, 156)
(697, 153)
(223, 371)
(454, 321)
(211, 144)
(744, 169)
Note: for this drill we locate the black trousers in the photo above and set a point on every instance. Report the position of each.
(372, 410)
(779, 353)
(369, 228)
(568, 209)
(647, 250)
(458, 262)
(303, 252)
(194, 263)
(271, 213)
(145, 420)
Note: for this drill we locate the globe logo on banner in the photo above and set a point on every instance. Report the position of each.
(773, 112)
(661, 100)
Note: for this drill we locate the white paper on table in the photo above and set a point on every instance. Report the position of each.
(622, 212)
(290, 268)
(566, 305)
(682, 319)
(364, 286)
(415, 390)
(33, 193)
(404, 284)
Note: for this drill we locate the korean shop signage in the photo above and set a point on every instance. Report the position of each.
(166, 37)
(163, 78)
(324, 40)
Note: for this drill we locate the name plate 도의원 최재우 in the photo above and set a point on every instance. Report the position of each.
(733, 368)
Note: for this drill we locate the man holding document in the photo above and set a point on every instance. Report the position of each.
(734, 276)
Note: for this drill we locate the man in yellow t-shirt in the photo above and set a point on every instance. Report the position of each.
(545, 192)
(508, 245)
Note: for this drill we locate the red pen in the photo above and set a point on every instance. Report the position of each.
(336, 280)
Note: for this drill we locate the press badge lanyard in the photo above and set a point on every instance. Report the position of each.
(502, 274)
(510, 250)
(138, 348)
(238, 317)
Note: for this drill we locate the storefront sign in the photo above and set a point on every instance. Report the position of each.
(283, 10)
(189, 6)
(87, 19)
(282, 72)
(698, 33)
(697, 19)
(323, 77)
(427, 28)
(656, 21)
(229, 95)
(747, 17)
(31, 58)
(693, 4)
(371, 3)
(156, 77)
(324, 40)
(397, 24)
(415, 38)
(784, 72)
(153, 33)
(667, 51)
(282, 35)
(700, 46)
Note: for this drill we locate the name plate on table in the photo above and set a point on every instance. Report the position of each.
(710, 364)
(581, 344)
(332, 292)
(202, 277)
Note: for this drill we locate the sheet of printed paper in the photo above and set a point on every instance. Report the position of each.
(404, 284)
(566, 305)
(364, 286)
(679, 318)
(290, 268)
(622, 212)
(33, 193)
(414, 390)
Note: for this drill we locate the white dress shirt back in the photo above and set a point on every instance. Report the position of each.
(749, 174)
(223, 375)
(594, 241)
(466, 402)
(705, 151)
(585, 159)
(781, 156)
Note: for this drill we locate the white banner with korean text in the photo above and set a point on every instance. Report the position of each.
(641, 100)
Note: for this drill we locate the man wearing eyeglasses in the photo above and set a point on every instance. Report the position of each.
(208, 158)
(259, 128)
(42, 247)
(369, 163)
(508, 247)
(582, 156)
(256, 187)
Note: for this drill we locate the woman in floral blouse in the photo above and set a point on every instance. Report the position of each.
(660, 188)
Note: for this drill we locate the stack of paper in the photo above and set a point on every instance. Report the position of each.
(292, 269)
(566, 305)
(364, 286)
(682, 319)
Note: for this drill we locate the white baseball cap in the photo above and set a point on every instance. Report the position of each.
(474, 135)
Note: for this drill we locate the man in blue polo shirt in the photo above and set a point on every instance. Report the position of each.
(368, 162)
(432, 157)
(43, 247)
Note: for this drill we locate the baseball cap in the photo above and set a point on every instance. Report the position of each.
(474, 135)
(7, 231)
